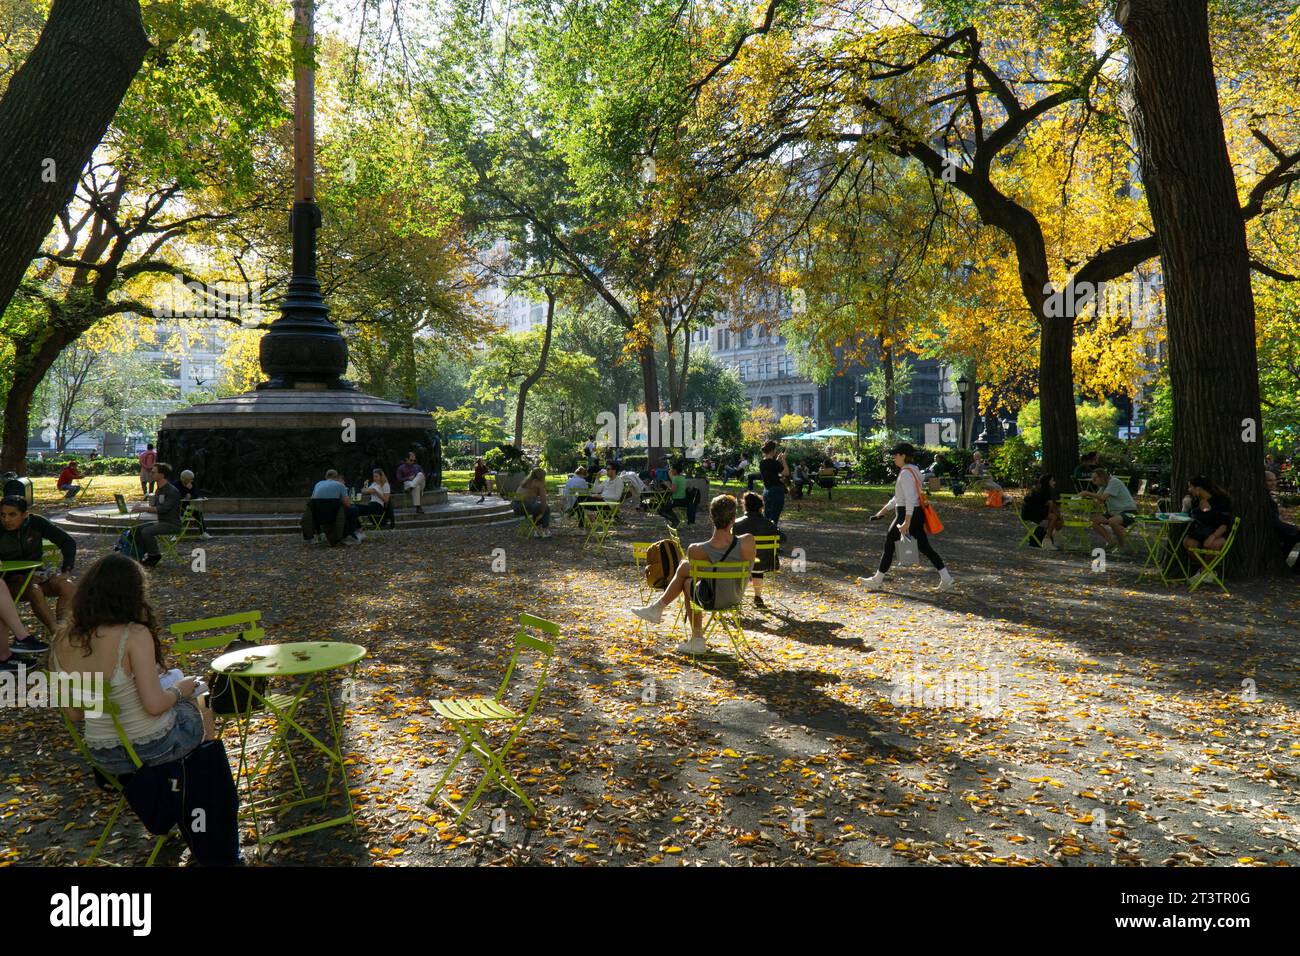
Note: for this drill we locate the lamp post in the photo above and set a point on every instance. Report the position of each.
(857, 421)
(963, 387)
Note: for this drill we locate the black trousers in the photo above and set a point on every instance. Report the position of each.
(917, 531)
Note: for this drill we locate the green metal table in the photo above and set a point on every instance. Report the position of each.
(8, 567)
(600, 519)
(318, 662)
(1171, 528)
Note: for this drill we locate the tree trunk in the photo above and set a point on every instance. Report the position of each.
(1210, 309)
(29, 371)
(537, 373)
(54, 114)
(650, 384)
(891, 407)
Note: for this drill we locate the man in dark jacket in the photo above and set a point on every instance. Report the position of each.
(167, 506)
(22, 538)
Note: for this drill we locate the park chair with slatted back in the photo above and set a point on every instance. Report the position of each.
(530, 525)
(639, 551)
(170, 542)
(1212, 561)
(214, 634)
(470, 716)
(74, 696)
(726, 619)
(770, 543)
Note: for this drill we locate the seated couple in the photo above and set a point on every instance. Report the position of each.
(724, 545)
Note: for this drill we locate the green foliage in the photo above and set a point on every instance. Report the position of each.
(1014, 463)
(725, 428)
(467, 420)
(1098, 423)
(509, 459)
(560, 456)
(51, 466)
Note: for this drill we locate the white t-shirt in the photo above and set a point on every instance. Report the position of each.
(377, 491)
(907, 489)
(612, 489)
(575, 484)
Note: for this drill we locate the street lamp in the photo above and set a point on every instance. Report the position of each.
(963, 387)
(857, 420)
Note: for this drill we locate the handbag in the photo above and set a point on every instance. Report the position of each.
(907, 553)
(228, 697)
(932, 523)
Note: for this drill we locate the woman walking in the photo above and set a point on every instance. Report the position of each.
(909, 519)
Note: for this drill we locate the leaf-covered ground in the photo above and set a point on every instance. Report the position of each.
(1040, 714)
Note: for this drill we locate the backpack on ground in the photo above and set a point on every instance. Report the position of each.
(661, 561)
(127, 545)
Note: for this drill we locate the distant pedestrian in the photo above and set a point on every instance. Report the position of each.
(148, 458)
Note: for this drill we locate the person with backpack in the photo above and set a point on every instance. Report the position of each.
(909, 519)
(755, 523)
(22, 538)
(148, 458)
(723, 546)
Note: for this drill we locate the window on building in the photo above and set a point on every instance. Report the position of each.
(787, 404)
(746, 370)
(806, 406)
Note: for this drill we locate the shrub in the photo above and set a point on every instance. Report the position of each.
(1014, 463)
(100, 466)
(560, 455)
(507, 458)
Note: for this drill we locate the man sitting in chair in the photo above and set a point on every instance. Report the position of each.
(1119, 508)
(575, 487)
(167, 506)
(22, 538)
(722, 546)
(1287, 534)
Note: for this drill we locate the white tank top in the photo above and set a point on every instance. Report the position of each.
(139, 725)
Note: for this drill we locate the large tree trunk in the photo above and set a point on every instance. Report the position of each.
(30, 368)
(891, 403)
(650, 384)
(1210, 310)
(537, 373)
(55, 112)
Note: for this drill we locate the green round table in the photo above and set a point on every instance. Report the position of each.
(316, 661)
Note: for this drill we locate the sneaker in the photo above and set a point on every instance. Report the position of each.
(545, 534)
(1293, 557)
(872, 583)
(359, 535)
(29, 645)
(946, 582)
(10, 665)
(758, 602)
(1195, 582)
(205, 537)
(653, 613)
(1050, 544)
(151, 560)
(694, 647)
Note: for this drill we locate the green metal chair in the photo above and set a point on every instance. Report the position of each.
(170, 542)
(1213, 560)
(727, 619)
(770, 543)
(470, 716)
(84, 700)
(530, 525)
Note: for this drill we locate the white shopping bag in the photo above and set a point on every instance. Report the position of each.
(906, 553)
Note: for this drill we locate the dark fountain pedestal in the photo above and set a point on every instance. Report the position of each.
(262, 452)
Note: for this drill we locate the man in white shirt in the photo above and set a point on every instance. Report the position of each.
(611, 489)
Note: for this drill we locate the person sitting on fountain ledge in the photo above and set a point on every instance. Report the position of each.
(331, 488)
(167, 506)
(411, 475)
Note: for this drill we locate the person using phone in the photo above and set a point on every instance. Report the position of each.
(909, 520)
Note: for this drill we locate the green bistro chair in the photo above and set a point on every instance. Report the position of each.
(770, 543)
(470, 716)
(84, 700)
(727, 619)
(1213, 561)
(530, 525)
(120, 501)
(170, 542)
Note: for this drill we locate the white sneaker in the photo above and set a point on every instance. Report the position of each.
(651, 612)
(1051, 545)
(359, 536)
(695, 647)
(946, 580)
(1196, 580)
(872, 583)
(205, 536)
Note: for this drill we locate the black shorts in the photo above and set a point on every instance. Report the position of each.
(1127, 517)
